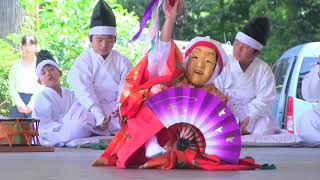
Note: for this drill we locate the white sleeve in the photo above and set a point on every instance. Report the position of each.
(125, 67)
(157, 59)
(219, 81)
(262, 104)
(81, 78)
(311, 85)
(42, 110)
(15, 97)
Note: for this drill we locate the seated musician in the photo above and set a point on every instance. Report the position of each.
(62, 118)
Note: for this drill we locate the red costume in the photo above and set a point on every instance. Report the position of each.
(140, 124)
(129, 142)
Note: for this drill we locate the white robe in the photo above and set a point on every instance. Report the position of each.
(308, 125)
(250, 93)
(59, 120)
(157, 59)
(97, 83)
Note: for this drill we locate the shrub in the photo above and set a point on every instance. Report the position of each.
(8, 55)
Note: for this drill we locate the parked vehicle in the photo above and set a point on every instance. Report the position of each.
(289, 70)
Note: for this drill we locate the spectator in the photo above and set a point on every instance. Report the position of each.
(23, 80)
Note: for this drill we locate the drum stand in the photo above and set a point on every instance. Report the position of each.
(21, 135)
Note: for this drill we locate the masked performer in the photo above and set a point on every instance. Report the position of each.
(161, 68)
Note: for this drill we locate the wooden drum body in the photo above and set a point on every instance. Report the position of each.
(19, 132)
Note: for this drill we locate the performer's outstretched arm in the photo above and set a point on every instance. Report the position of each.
(170, 13)
(157, 64)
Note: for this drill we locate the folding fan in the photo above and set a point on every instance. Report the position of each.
(200, 120)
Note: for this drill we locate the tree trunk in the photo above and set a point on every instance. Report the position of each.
(10, 17)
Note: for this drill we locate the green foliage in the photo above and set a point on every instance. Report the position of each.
(293, 22)
(137, 6)
(8, 55)
(62, 28)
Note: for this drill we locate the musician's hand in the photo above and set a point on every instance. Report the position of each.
(244, 125)
(105, 123)
(116, 114)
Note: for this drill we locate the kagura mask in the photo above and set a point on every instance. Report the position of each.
(204, 60)
(202, 63)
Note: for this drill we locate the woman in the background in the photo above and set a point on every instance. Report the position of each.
(23, 80)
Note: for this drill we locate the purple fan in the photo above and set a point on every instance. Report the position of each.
(195, 110)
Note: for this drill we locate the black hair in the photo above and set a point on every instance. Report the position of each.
(28, 39)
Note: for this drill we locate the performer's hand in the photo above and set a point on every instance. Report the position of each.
(170, 11)
(215, 91)
(244, 125)
(187, 132)
(105, 123)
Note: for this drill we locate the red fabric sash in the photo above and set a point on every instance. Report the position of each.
(191, 159)
(141, 123)
(137, 85)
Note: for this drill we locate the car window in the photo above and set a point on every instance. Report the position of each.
(280, 71)
(307, 64)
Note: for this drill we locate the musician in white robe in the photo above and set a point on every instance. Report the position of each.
(99, 72)
(62, 119)
(248, 82)
(308, 126)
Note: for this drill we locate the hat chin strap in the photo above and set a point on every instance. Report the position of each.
(242, 37)
(103, 30)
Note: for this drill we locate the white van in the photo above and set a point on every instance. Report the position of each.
(289, 70)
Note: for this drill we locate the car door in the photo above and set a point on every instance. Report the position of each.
(282, 71)
(300, 104)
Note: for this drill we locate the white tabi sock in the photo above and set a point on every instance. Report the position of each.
(153, 149)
